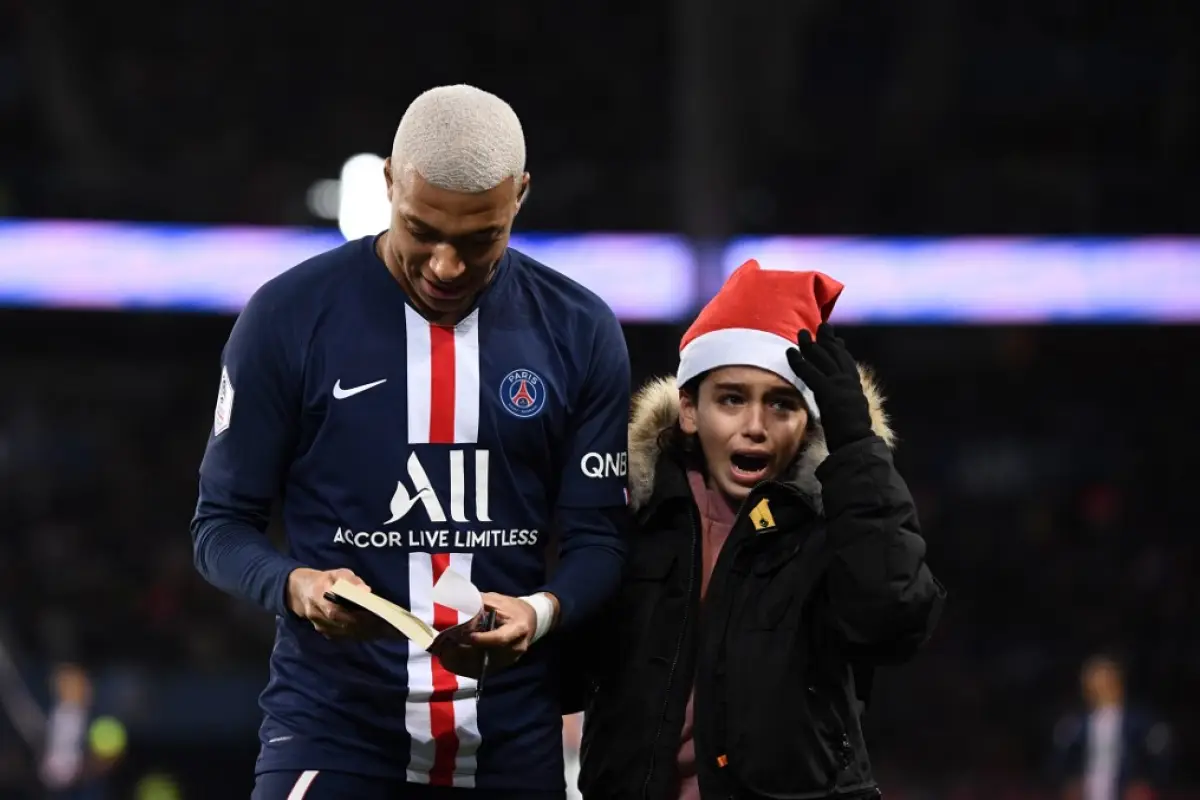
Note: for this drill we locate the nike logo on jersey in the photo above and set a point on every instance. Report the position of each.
(341, 394)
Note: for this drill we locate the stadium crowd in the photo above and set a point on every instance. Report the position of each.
(1019, 117)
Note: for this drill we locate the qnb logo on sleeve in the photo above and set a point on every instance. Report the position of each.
(605, 465)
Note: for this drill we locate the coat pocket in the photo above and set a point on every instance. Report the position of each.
(777, 580)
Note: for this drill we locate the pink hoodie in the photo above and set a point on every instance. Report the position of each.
(716, 520)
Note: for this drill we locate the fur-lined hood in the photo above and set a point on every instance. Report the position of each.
(656, 408)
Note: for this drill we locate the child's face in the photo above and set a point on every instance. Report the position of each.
(750, 423)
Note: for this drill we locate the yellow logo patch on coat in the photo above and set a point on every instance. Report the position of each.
(761, 516)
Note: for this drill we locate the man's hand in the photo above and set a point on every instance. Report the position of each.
(516, 622)
(306, 590)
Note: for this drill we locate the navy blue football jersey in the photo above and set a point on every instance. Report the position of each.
(401, 449)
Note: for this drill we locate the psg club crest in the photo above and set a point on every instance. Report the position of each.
(522, 393)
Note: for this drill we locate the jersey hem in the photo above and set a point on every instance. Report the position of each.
(333, 763)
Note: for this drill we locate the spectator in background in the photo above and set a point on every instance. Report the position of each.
(70, 770)
(572, 734)
(1112, 751)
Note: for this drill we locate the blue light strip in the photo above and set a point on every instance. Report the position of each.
(644, 278)
(102, 265)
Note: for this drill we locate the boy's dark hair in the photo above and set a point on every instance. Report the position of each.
(685, 447)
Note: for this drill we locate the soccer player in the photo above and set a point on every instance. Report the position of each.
(421, 400)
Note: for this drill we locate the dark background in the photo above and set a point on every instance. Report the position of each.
(941, 116)
(1054, 466)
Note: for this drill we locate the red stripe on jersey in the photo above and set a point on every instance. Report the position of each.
(441, 389)
(445, 682)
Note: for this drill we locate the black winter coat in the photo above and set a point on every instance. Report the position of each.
(822, 578)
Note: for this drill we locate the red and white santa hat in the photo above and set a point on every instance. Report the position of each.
(753, 321)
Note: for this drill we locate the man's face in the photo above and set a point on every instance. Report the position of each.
(443, 245)
(72, 685)
(750, 423)
(1102, 684)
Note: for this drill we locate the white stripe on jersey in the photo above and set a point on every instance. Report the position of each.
(466, 380)
(442, 713)
(420, 375)
(302, 783)
(440, 374)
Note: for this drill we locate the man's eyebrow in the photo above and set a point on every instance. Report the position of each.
(415, 222)
(424, 227)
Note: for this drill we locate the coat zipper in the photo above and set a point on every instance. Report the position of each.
(687, 612)
(731, 552)
(844, 755)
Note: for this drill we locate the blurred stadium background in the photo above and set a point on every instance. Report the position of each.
(1007, 190)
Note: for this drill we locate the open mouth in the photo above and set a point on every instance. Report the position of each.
(749, 467)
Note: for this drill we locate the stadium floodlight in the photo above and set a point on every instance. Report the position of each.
(323, 197)
(363, 207)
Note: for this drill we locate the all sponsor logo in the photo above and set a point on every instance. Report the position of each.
(403, 499)
(457, 518)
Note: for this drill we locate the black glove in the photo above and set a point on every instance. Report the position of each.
(828, 369)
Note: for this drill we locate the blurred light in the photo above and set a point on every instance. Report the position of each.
(995, 280)
(323, 198)
(642, 277)
(114, 265)
(107, 737)
(363, 207)
(1158, 740)
(157, 786)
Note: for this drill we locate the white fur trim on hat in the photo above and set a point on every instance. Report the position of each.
(730, 347)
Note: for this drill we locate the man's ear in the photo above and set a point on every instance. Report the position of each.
(522, 191)
(687, 412)
(387, 176)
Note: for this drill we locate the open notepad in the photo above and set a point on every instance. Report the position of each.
(451, 590)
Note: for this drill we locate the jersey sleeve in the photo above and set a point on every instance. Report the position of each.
(591, 509)
(258, 402)
(594, 470)
(249, 447)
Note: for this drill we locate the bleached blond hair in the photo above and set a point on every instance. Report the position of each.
(460, 138)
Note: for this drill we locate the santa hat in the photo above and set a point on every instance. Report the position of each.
(753, 321)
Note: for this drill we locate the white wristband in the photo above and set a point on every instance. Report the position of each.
(543, 611)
